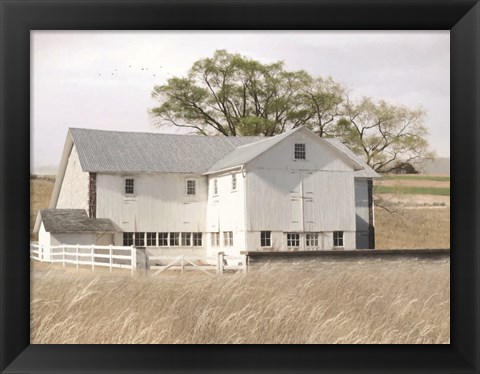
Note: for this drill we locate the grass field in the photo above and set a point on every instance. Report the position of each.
(365, 302)
(442, 191)
(436, 178)
(341, 302)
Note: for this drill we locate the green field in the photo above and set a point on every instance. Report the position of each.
(407, 190)
(417, 177)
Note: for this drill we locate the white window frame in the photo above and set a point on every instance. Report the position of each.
(215, 187)
(184, 237)
(228, 238)
(311, 239)
(130, 239)
(291, 240)
(269, 239)
(336, 239)
(171, 236)
(147, 239)
(195, 237)
(125, 193)
(215, 239)
(304, 151)
(234, 182)
(139, 236)
(195, 185)
(167, 238)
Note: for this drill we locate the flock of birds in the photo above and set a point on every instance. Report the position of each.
(132, 67)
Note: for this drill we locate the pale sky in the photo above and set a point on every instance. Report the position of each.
(405, 67)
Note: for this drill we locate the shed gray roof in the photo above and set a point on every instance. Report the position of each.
(74, 220)
(137, 152)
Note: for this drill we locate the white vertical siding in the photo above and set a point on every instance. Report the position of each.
(226, 212)
(273, 203)
(160, 203)
(74, 189)
(44, 241)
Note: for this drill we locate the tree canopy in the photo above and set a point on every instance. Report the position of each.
(232, 95)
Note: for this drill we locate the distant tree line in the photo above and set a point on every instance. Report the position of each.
(232, 95)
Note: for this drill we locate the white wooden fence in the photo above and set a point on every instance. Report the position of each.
(93, 255)
(126, 258)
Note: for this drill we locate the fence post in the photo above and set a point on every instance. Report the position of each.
(183, 264)
(245, 263)
(41, 253)
(63, 255)
(92, 254)
(220, 262)
(133, 259)
(110, 253)
(76, 253)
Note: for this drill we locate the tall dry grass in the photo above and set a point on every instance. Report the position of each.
(375, 301)
(412, 228)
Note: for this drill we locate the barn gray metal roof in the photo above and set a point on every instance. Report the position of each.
(136, 152)
(74, 220)
(245, 153)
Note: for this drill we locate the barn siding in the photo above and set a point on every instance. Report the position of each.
(319, 155)
(274, 200)
(226, 212)
(160, 203)
(44, 241)
(74, 189)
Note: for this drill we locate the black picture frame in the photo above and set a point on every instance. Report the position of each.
(18, 17)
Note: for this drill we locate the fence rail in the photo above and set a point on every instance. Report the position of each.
(126, 258)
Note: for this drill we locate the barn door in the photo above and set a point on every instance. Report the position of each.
(308, 201)
(296, 201)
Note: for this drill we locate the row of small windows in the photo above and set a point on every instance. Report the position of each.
(163, 239)
(293, 239)
(190, 186)
(227, 239)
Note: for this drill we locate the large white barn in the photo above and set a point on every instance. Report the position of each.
(187, 194)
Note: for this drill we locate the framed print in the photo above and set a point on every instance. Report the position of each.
(21, 20)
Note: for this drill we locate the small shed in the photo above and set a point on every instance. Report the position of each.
(71, 227)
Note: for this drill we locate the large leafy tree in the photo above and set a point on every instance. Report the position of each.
(232, 95)
(386, 135)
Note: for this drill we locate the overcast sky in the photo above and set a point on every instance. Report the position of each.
(73, 84)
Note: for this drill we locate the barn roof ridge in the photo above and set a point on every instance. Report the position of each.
(113, 151)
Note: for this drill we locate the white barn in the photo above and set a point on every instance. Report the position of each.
(200, 195)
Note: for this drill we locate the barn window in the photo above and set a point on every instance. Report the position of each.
(140, 239)
(197, 239)
(191, 187)
(174, 239)
(214, 237)
(151, 239)
(265, 239)
(128, 239)
(299, 151)
(228, 238)
(129, 186)
(215, 186)
(312, 239)
(163, 239)
(338, 238)
(186, 239)
(293, 239)
(234, 182)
